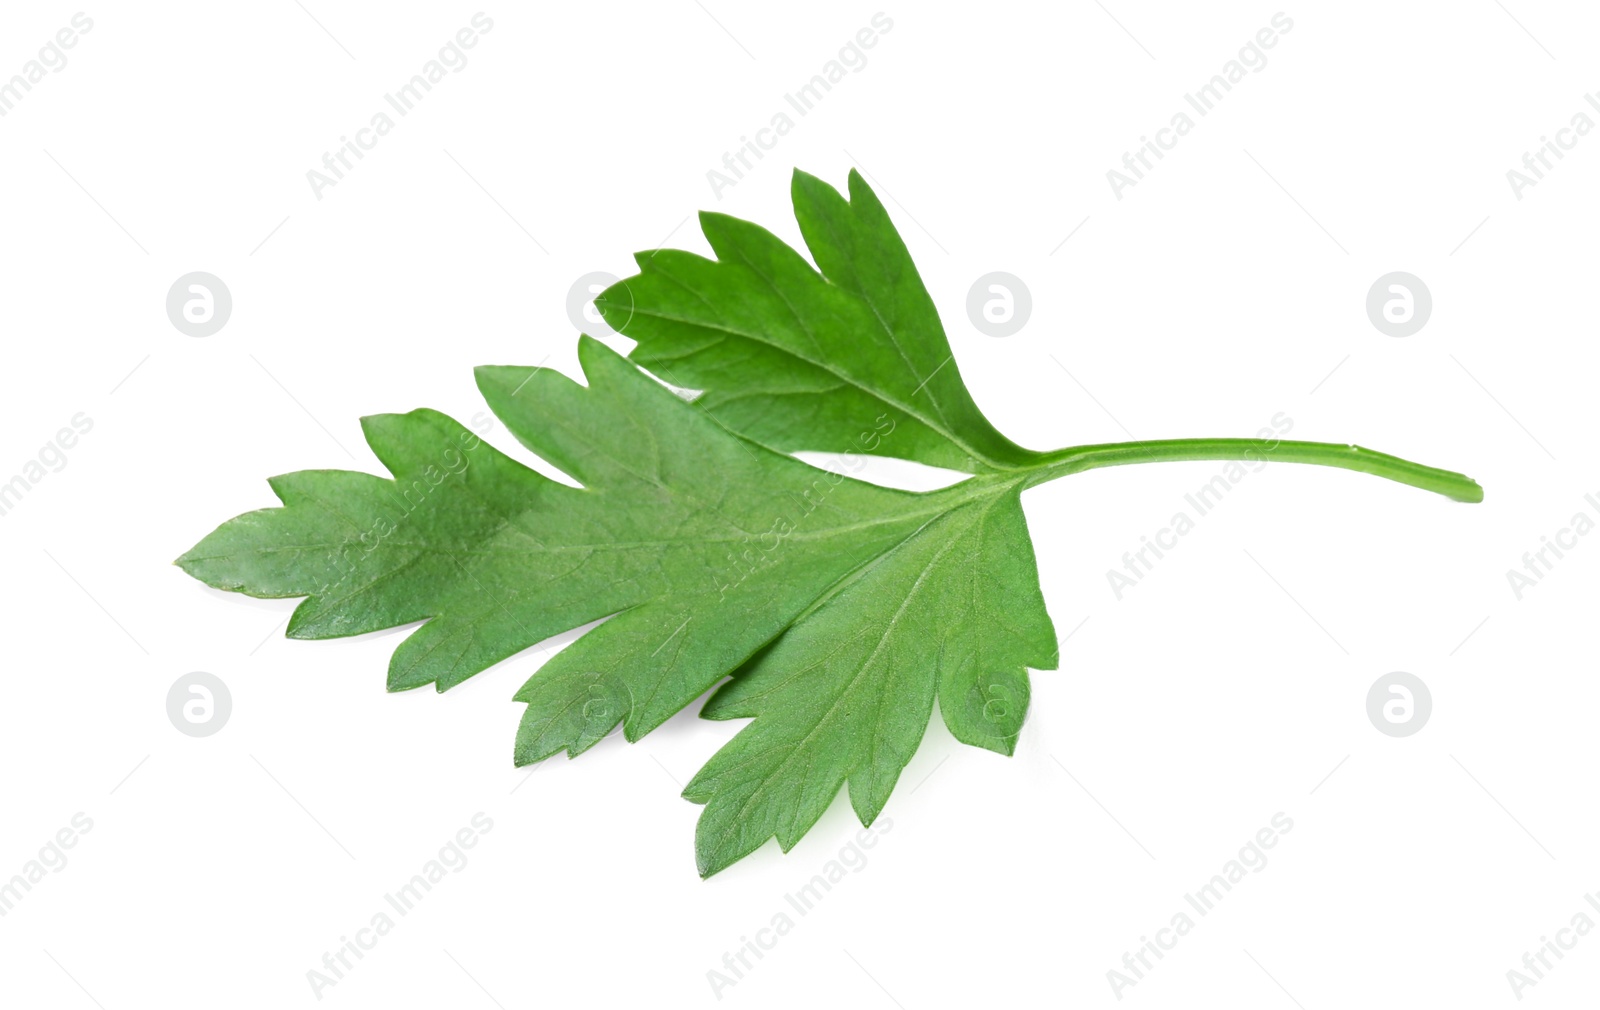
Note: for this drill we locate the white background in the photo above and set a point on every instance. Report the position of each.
(1225, 688)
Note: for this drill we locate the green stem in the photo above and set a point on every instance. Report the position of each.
(1349, 457)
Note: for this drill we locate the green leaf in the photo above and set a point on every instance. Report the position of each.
(953, 613)
(843, 611)
(670, 533)
(797, 360)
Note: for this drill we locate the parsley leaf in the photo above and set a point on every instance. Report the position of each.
(841, 610)
(795, 359)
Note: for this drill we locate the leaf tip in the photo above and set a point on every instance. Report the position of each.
(801, 179)
(708, 863)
